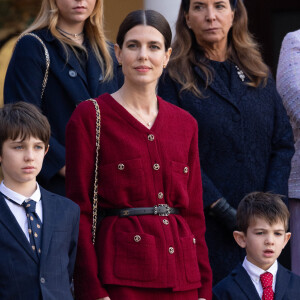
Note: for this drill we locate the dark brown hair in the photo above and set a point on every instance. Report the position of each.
(242, 50)
(23, 120)
(267, 206)
(147, 18)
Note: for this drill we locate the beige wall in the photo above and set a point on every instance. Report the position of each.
(168, 8)
(115, 11)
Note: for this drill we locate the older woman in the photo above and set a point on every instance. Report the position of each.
(80, 66)
(245, 140)
(151, 243)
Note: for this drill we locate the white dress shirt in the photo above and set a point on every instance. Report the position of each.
(254, 272)
(18, 210)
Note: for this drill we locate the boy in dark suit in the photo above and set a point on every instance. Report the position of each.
(38, 229)
(262, 222)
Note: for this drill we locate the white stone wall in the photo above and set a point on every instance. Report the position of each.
(168, 8)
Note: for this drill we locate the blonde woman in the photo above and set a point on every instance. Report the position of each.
(81, 67)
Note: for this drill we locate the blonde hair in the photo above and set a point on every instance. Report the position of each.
(94, 29)
(242, 50)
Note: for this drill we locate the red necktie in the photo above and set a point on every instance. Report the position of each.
(266, 282)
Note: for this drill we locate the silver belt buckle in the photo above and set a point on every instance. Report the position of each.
(167, 210)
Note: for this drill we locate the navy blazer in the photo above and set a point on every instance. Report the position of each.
(67, 86)
(245, 145)
(239, 286)
(22, 276)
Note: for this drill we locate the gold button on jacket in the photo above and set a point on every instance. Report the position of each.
(121, 167)
(171, 250)
(156, 167)
(151, 137)
(137, 238)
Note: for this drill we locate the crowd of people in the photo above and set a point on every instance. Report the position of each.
(182, 157)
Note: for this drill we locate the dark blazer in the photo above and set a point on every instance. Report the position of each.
(22, 276)
(67, 86)
(239, 286)
(245, 145)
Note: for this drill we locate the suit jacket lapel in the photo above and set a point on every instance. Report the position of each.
(243, 280)
(282, 282)
(49, 212)
(9, 221)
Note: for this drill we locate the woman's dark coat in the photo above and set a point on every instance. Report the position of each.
(66, 87)
(245, 145)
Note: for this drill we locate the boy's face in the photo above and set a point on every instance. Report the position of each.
(263, 242)
(21, 161)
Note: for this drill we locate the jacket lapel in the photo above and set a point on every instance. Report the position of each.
(73, 62)
(217, 84)
(71, 58)
(49, 212)
(282, 282)
(243, 280)
(9, 221)
(238, 87)
(94, 73)
(219, 87)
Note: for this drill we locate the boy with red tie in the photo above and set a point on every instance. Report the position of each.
(38, 229)
(262, 222)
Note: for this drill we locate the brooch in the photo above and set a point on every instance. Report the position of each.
(240, 73)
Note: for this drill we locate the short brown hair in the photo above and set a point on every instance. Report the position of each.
(22, 119)
(267, 206)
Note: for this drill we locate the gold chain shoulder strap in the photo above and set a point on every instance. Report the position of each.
(95, 194)
(46, 56)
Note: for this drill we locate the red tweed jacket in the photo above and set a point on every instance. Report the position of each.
(139, 167)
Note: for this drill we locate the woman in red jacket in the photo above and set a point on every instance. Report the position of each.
(150, 244)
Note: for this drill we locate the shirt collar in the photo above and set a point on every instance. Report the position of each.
(18, 198)
(255, 272)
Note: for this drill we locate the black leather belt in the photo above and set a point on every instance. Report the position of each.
(160, 210)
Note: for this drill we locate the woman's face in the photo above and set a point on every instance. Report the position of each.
(210, 20)
(143, 55)
(74, 12)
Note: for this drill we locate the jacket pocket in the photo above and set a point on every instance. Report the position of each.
(190, 259)
(136, 257)
(179, 181)
(122, 181)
